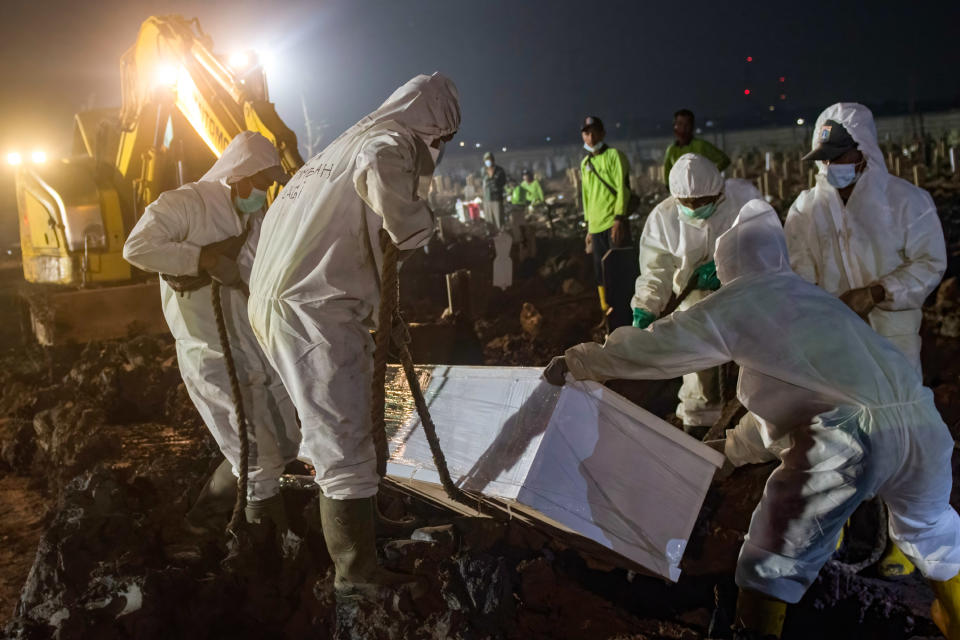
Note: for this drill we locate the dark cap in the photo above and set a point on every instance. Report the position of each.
(592, 121)
(488, 155)
(526, 172)
(833, 141)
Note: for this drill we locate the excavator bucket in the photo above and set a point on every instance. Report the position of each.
(83, 315)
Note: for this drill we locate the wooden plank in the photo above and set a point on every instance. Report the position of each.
(518, 514)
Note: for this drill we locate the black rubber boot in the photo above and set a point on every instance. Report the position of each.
(349, 531)
(213, 507)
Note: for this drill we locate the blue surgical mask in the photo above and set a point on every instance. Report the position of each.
(489, 163)
(592, 149)
(700, 213)
(252, 203)
(842, 175)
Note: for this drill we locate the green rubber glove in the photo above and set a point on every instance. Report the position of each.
(707, 276)
(642, 318)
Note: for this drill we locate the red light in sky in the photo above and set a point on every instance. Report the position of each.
(746, 92)
(783, 79)
(749, 58)
(783, 96)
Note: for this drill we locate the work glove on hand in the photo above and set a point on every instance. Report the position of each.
(556, 371)
(707, 279)
(229, 248)
(588, 244)
(863, 300)
(642, 318)
(225, 271)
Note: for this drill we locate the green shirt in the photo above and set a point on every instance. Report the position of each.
(527, 193)
(697, 146)
(600, 206)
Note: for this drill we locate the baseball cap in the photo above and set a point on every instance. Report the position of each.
(833, 140)
(592, 121)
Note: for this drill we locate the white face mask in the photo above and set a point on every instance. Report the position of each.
(592, 149)
(437, 153)
(489, 163)
(842, 175)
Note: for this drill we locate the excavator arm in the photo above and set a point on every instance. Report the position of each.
(181, 107)
(172, 82)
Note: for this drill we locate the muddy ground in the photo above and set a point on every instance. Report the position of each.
(101, 453)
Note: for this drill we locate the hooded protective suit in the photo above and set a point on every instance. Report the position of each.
(672, 246)
(855, 419)
(888, 233)
(315, 290)
(167, 239)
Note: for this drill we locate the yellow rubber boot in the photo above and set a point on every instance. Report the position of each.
(603, 298)
(759, 615)
(946, 607)
(894, 564)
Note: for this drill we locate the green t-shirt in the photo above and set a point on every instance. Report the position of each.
(527, 193)
(697, 146)
(600, 206)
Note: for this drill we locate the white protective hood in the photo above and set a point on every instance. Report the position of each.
(858, 121)
(694, 176)
(754, 244)
(429, 106)
(247, 154)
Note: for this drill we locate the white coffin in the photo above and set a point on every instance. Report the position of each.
(581, 455)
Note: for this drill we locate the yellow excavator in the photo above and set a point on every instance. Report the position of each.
(181, 106)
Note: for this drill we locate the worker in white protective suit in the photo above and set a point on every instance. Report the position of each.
(315, 292)
(846, 413)
(676, 248)
(209, 229)
(864, 235)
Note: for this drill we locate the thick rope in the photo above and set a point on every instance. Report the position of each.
(237, 519)
(390, 322)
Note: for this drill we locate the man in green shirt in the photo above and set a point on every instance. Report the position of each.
(683, 128)
(528, 191)
(606, 192)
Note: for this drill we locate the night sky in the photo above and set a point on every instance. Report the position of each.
(526, 70)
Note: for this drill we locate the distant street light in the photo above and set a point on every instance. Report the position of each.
(38, 157)
(800, 122)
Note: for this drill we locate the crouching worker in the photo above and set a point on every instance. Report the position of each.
(315, 295)
(845, 411)
(676, 252)
(203, 231)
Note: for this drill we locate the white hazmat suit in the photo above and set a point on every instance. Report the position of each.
(888, 233)
(850, 411)
(672, 246)
(167, 239)
(315, 286)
